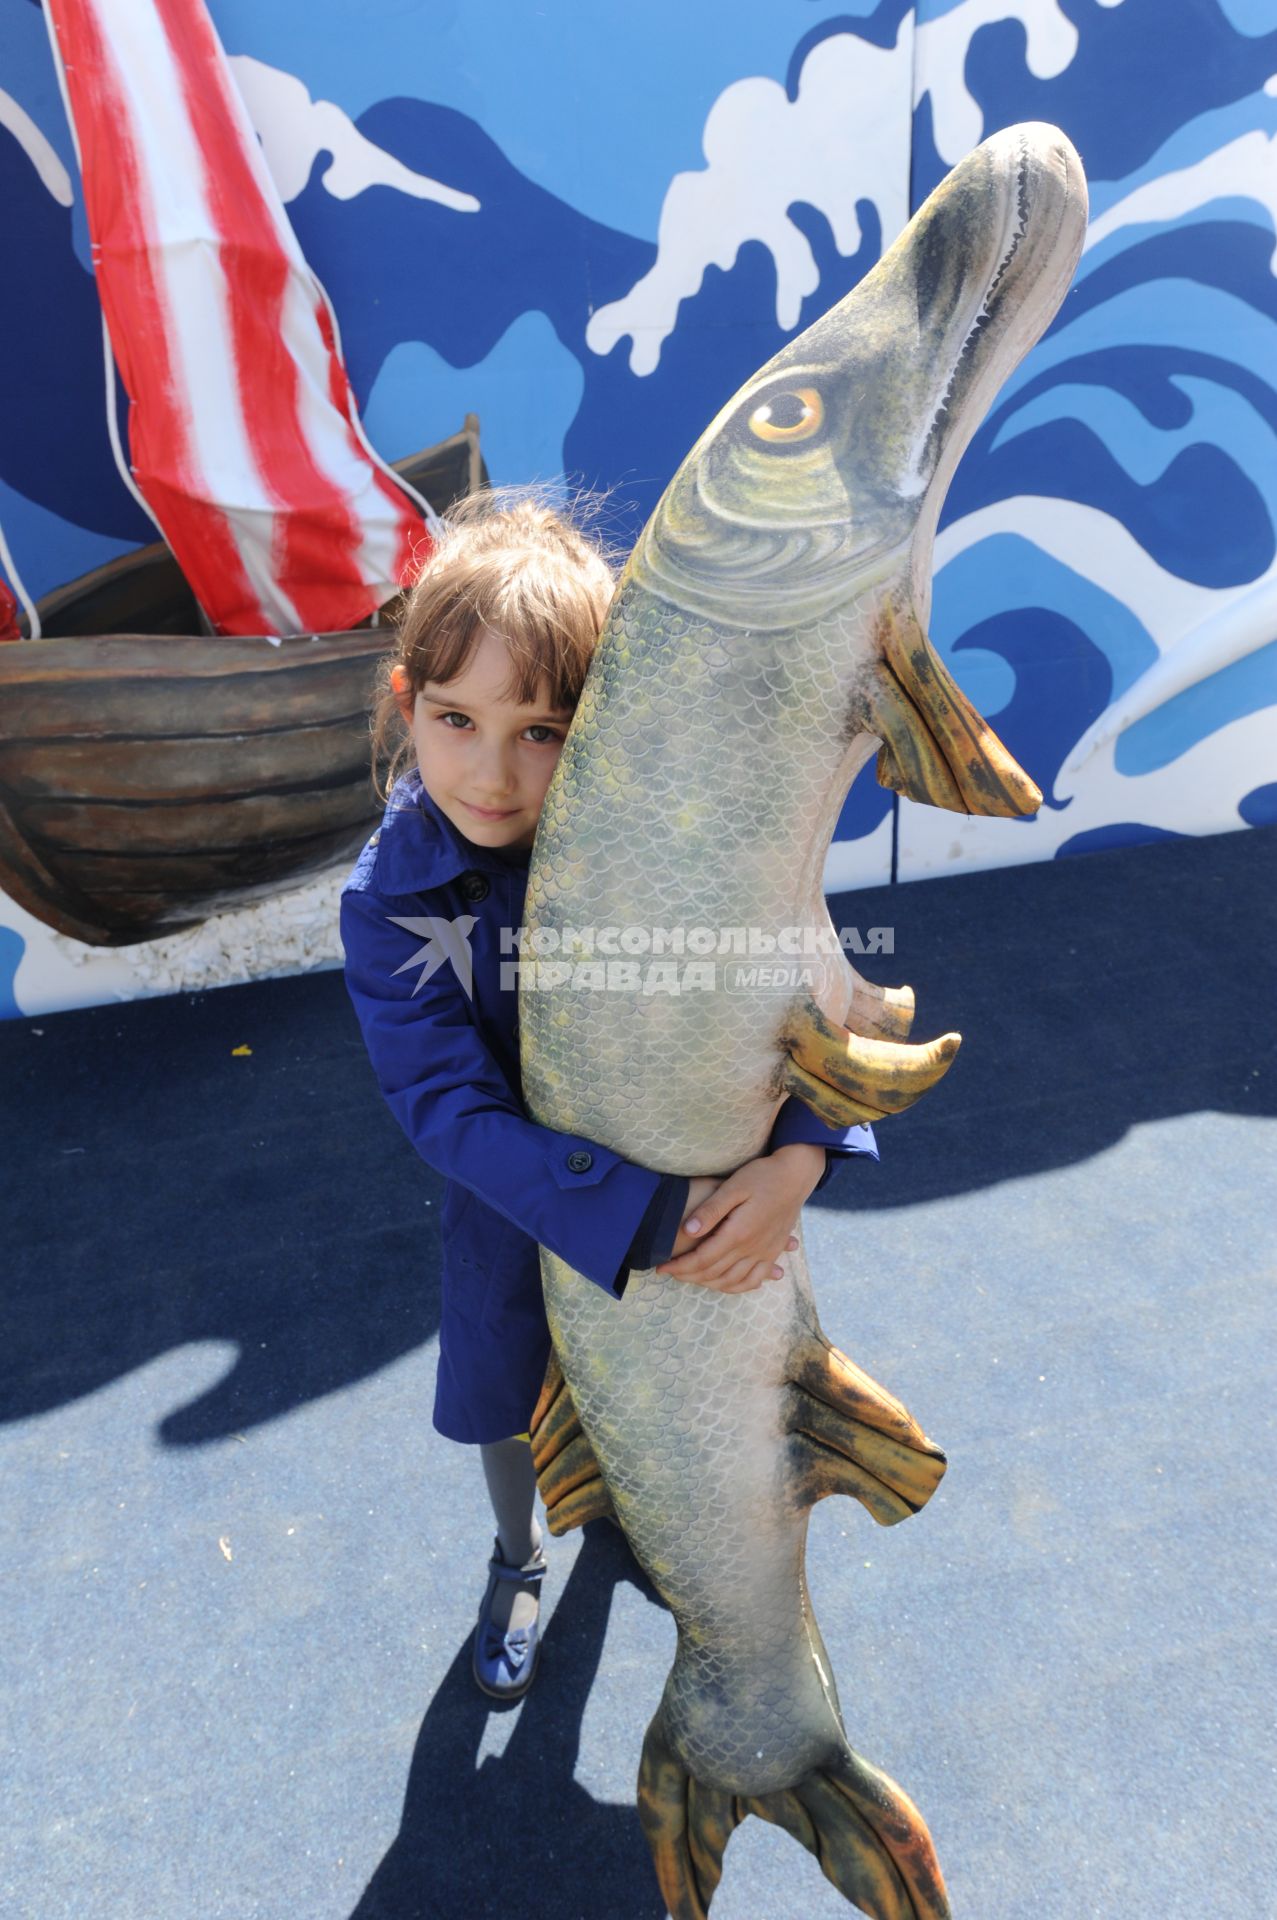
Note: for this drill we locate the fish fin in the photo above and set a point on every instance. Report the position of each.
(568, 1475)
(935, 747)
(835, 1109)
(687, 1825)
(880, 1013)
(576, 1509)
(909, 760)
(870, 1839)
(851, 1436)
(845, 1077)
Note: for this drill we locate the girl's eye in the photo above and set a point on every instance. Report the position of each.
(448, 717)
(547, 734)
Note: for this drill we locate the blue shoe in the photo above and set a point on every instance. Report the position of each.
(505, 1663)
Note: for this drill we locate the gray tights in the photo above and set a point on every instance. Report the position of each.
(512, 1485)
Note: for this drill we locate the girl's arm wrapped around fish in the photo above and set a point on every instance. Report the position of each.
(458, 1106)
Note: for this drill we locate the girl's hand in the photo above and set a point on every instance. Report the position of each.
(735, 1230)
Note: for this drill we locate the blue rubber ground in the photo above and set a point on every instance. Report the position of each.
(240, 1569)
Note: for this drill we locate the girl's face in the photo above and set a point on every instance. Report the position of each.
(485, 762)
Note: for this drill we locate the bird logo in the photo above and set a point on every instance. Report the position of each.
(444, 940)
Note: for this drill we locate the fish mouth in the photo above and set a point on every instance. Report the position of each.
(986, 284)
(936, 748)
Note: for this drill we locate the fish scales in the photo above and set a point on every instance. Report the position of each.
(697, 1461)
(701, 742)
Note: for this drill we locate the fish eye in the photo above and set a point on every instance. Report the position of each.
(794, 414)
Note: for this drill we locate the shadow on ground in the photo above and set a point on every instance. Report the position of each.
(167, 1187)
(1093, 994)
(495, 1841)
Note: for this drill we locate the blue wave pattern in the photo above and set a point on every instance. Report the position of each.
(1151, 403)
(1148, 413)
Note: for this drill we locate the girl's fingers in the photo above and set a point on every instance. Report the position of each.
(708, 1270)
(715, 1275)
(701, 1220)
(758, 1274)
(743, 1278)
(699, 1273)
(735, 1278)
(705, 1263)
(748, 1275)
(720, 1258)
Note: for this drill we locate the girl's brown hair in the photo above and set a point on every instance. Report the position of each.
(507, 560)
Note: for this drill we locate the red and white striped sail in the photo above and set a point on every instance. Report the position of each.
(9, 628)
(243, 435)
(10, 596)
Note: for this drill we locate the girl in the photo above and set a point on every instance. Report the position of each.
(491, 654)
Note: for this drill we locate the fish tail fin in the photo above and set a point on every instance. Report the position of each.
(851, 1436)
(869, 1838)
(568, 1475)
(687, 1825)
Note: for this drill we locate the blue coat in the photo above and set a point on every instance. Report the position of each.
(447, 1062)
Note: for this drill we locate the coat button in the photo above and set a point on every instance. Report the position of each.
(580, 1161)
(474, 886)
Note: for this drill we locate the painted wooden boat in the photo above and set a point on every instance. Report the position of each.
(152, 775)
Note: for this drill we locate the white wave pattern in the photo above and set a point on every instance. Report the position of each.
(843, 139)
(53, 175)
(293, 129)
(1098, 548)
(1246, 623)
(1051, 41)
(1196, 793)
(1198, 630)
(1230, 626)
(1245, 168)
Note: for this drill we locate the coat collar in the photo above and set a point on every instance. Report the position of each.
(420, 847)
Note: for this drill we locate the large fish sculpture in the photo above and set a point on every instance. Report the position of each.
(767, 637)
